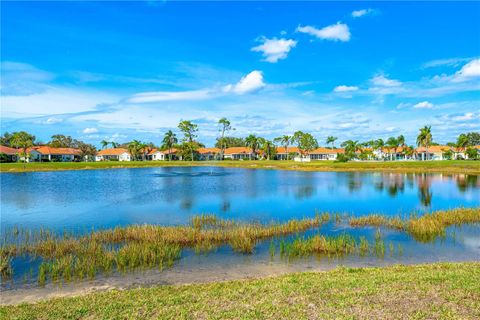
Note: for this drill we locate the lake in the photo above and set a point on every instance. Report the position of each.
(82, 200)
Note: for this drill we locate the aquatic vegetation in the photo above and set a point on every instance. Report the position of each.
(319, 244)
(6, 270)
(424, 228)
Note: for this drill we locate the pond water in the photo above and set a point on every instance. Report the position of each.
(82, 200)
(106, 198)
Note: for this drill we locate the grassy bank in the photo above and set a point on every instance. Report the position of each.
(472, 167)
(434, 291)
(66, 257)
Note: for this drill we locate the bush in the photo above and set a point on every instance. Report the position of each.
(341, 158)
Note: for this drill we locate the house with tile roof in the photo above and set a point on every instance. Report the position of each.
(286, 154)
(48, 154)
(8, 154)
(208, 153)
(162, 155)
(238, 153)
(322, 153)
(113, 154)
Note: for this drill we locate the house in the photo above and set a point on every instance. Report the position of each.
(208, 153)
(8, 154)
(289, 153)
(434, 153)
(162, 155)
(325, 154)
(238, 153)
(113, 154)
(47, 154)
(391, 153)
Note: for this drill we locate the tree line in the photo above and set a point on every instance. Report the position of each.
(187, 144)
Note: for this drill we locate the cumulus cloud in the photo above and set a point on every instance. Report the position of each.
(90, 130)
(274, 49)
(362, 12)
(423, 105)
(334, 32)
(344, 88)
(468, 71)
(382, 81)
(252, 82)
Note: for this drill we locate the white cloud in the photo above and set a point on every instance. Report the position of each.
(362, 12)
(53, 120)
(452, 62)
(252, 82)
(468, 71)
(334, 32)
(464, 117)
(157, 96)
(344, 88)
(423, 105)
(382, 81)
(90, 130)
(275, 49)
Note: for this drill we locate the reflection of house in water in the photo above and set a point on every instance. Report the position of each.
(466, 182)
(354, 181)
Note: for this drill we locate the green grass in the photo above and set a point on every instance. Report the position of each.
(424, 228)
(433, 291)
(472, 167)
(66, 257)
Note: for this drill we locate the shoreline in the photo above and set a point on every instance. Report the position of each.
(446, 166)
(185, 276)
(400, 291)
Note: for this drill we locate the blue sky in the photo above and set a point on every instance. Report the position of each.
(132, 70)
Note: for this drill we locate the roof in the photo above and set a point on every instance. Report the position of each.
(155, 150)
(8, 150)
(281, 150)
(56, 151)
(112, 152)
(238, 150)
(208, 150)
(434, 149)
(323, 150)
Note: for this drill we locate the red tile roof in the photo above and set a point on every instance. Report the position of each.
(57, 151)
(154, 150)
(323, 150)
(238, 150)
(208, 150)
(434, 149)
(281, 150)
(8, 150)
(112, 152)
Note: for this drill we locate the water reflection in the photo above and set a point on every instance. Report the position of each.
(171, 195)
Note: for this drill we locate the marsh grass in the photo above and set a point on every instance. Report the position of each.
(66, 257)
(424, 228)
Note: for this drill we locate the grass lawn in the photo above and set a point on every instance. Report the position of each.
(431, 291)
(455, 166)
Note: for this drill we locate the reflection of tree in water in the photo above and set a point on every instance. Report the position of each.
(466, 182)
(225, 206)
(304, 192)
(424, 183)
(354, 182)
(396, 184)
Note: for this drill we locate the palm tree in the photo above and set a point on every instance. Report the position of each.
(392, 143)
(104, 143)
(351, 147)
(135, 148)
(169, 140)
(401, 142)
(114, 144)
(424, 139)
(331, 139)
(268, 148)
(252, 141)
(22, 140)
(285, 141)
(225, 127)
